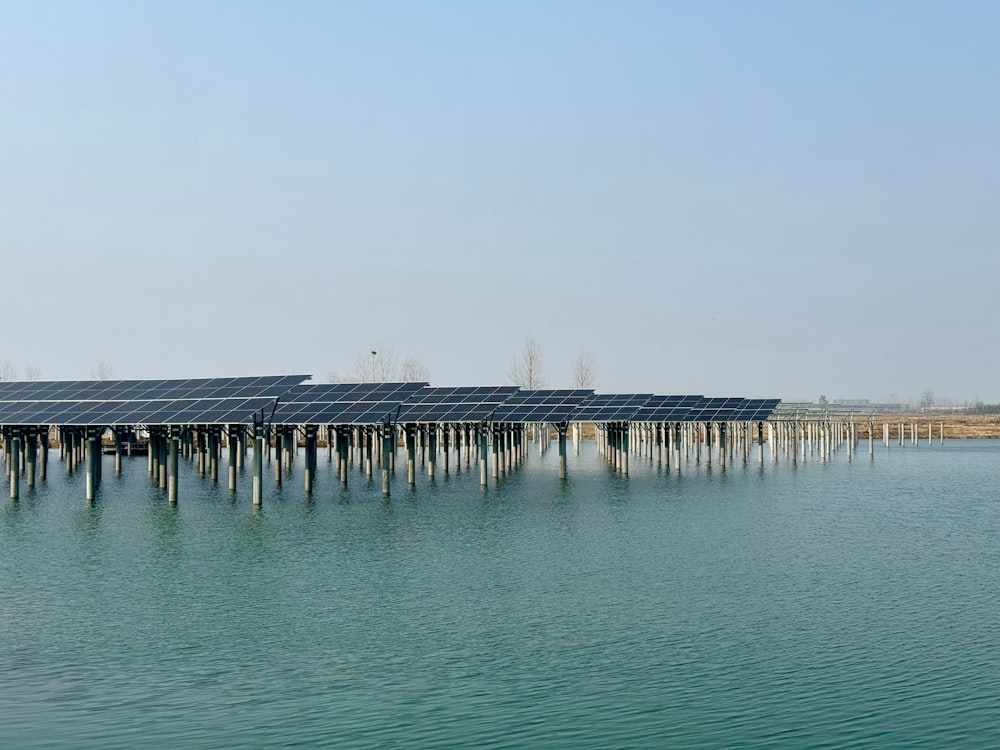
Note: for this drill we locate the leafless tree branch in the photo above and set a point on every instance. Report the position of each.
(526, 368)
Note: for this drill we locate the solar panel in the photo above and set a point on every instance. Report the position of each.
(344, 403)
(150, 402)
(137, 390)
(667, 408)
(756, 410)
(455, 405)
(732, 409)
(541, 406)
(610, 407)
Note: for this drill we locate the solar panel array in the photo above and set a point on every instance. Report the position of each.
(610, 407)
(807, 409)
(344, 403)
(757, 410)
(455, 405)
(715, 410)
(134, 402)
(667, 408)
(148, 390)
(237, 400)
(541, 406)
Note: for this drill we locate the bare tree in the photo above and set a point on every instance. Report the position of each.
(32, 373)
(927, 399)
(412, 370)
(526, 369)
(7, 371)
(376, 365)
(583, 372)
(333, 377)
(103, 371)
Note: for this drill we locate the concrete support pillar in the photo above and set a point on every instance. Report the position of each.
(31, 455)
(483, 437)
(562, 449)
(344, 447)
(368, 435)
(197, 442)
(387, 451)
(233, 450)
(279, 454)
(92, 457)
(287, 437)
(500, 437)
(445, 447)
(495, 448)
(431, 455)
(118, 452)
(172, 478)
(258, 464)
(14, 469)
(411, 453)
(44, 464)
(213, 454)
(67, 452)
(309, 475)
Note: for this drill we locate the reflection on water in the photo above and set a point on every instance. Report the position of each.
(841, 603)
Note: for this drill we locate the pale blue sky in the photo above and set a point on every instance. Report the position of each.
(780, 199)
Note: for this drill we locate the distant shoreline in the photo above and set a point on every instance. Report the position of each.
(963, 426)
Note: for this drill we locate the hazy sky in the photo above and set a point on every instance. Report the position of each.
(729, 198)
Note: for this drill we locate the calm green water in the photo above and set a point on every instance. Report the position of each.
(836, 605)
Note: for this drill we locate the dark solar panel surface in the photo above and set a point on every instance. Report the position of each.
(140, 390)
(610, 407)
(455, 405)
(148, 402)
(344, 403)
(235, 400)
(667, 408)
(757, 410)
(541, 406)
(147, 412)
(715, 409)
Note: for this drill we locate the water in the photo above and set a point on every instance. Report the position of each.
(838, 605)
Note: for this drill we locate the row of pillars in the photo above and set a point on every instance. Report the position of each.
(914, 433)
(430, 446)
(26, 452)
(807, 439)
(673, 442)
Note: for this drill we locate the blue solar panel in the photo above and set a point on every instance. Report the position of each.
(667, 408)
(344, 403)
(610, 407)
(455, 405)
(541, 406)
(150, 402)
